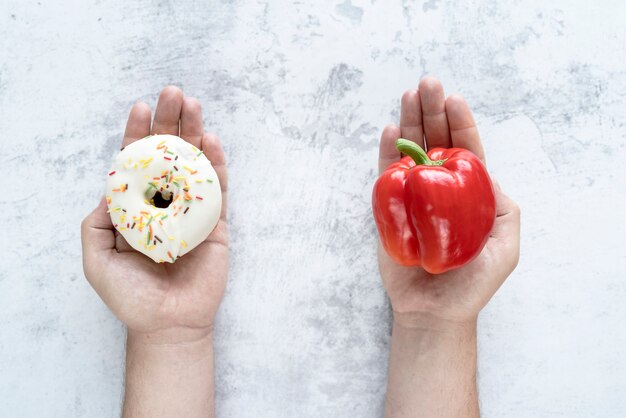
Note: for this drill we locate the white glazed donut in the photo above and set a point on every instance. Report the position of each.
(163, 196)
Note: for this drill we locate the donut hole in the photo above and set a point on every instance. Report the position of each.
(161, 200)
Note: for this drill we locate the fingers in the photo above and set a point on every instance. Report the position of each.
(138, 125)
(434, 118)
(387, 152)
(212, 148)
(97, 237)
(168, 110)
(463, 130)
(191, 125)
(97, 229)
(121, 245)
(411, 118)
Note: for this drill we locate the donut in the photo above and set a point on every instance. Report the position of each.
(163, 196)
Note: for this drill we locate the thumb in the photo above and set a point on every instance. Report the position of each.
(97, 237)
(506, 229)
(387, 151)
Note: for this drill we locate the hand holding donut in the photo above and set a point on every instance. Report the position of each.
(174, 302)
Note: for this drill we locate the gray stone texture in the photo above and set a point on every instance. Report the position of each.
(299, 93)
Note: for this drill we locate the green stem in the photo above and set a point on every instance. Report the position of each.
(416, 152)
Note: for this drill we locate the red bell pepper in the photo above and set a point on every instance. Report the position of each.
(434, 210)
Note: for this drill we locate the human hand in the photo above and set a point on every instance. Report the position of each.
(173, 303)
(456, 296)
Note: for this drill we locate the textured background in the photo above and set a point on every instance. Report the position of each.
(299, 92)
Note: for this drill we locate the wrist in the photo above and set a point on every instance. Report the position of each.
(425, 321)
(432, 367)
(166, 375)
(171, 336)
(171, 346)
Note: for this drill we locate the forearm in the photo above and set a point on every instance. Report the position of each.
(168, 379)
(432, 369)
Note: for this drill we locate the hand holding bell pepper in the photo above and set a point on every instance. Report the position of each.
(434, 210)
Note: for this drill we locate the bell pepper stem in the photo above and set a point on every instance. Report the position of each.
(416, 152)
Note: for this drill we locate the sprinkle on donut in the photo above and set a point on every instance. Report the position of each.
(163, 186)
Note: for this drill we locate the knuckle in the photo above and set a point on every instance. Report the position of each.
(515, 208)
(389, 129)
(455, 98)
(516, 257)
(429, 82)
(192, 103)
(408, 95)
(84, 224)
(172, 91)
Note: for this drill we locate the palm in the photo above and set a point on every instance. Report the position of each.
(427, 118)
(145, 295)
(454, 294)
(186, 293)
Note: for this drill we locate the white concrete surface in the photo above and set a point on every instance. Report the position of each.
(299, 92)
